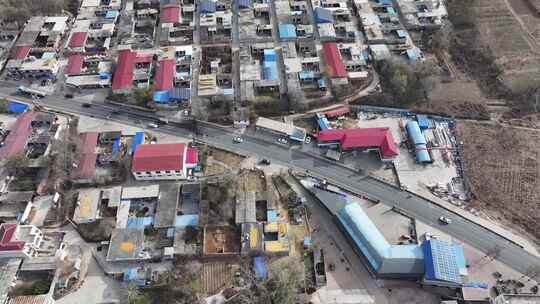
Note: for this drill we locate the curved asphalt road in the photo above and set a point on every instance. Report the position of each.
(417, 207)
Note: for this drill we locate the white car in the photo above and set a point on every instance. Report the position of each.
(238, 139)
(445, 220)
(308, 139)
(282, 140)
(153, 125)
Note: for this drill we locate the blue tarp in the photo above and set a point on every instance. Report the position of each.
(412, 55)
(287, 31)
(132, 275)
(115, 146)
(17, 107)
(365, 54)
(391, 10)
(137, 140)
(322, 83)
(245, 4)
(104, 75)
(423, 121)
(270, 70)
(228, 92)
(307, 241)
(323, 15)
(476, 285)
(187, 220)
(259, 266)
(306, 75)
(440, 261)
(208, 6)
(161, 97)
(111, 14)
(48, 55)
(323, 123)
(402, 33)
(139, 222)
(415, 134)
(271, 216)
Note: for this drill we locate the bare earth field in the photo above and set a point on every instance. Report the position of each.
(511, 28)
(502, 168)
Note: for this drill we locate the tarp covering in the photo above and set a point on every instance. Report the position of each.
(137, 140)
(323, 15)
(17, 107)
(161, 97)
(270, 70)
(187, 220)
(139, 222)
(423, 121)
(259, 266)
(306, 75)
(271, 216)
(287, 31)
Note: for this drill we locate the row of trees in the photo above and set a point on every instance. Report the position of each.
(19, 11)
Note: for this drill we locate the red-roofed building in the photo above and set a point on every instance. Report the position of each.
(75, 64)
(122, 81)
(165, 75)
(84, 172)
(77, 41)
(19, 241)
(163, 161)
(379, 139)
(17, 138)
(337, 112)
(334, 62)
(21, 52)
(171, 14)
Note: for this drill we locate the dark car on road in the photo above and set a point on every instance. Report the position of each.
(86, 105)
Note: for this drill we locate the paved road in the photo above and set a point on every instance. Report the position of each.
(418, 207)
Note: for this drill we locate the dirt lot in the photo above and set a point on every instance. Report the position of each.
(219, 161)
(502, 166)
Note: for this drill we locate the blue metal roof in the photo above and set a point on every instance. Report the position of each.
(422, 154)
(390, 10)
(161, 97)
(415, 134)
(139, 222)
(111, 14)
(306, 75)
(375, 248)
(423, 121)
(245, 3)
(208, 6)
(323, 123)
(460, 256)
(323, 15)
(259, 266)
(187, 220)
(137, 140)
(322, 83)
(270, 70)
(440, 261)
(287, 31)
(17, 107)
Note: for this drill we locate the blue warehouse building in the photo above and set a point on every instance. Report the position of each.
(419, 141)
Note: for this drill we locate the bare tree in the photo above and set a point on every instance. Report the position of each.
(532, 272)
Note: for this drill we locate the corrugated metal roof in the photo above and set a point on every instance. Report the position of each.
(74, 65)
(17, 138)
(270, 70)
(423, 121)
(333, 60)
(77, 39)
(287, 31)
(21, 52)
(362, 138)
(180, 94)
(440, 261)
(158, 157)
(208, 6)
(123, 75)
(323, 15)
(17, 107)
(413, 129)
(170, 14)
(137, 140)
(165, 75)
(337, 112)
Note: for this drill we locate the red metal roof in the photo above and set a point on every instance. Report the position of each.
(7, 243)
(337, 112)
(21, 52)
(192, 157)
(17, 138)
(143, 58)
(333, 60)
(165, 75)
(362, 138)
(39, 299)
(87, 159)
(77, 40)
(75, 63)
(123, 75)
(170, 14)
(158, 157)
